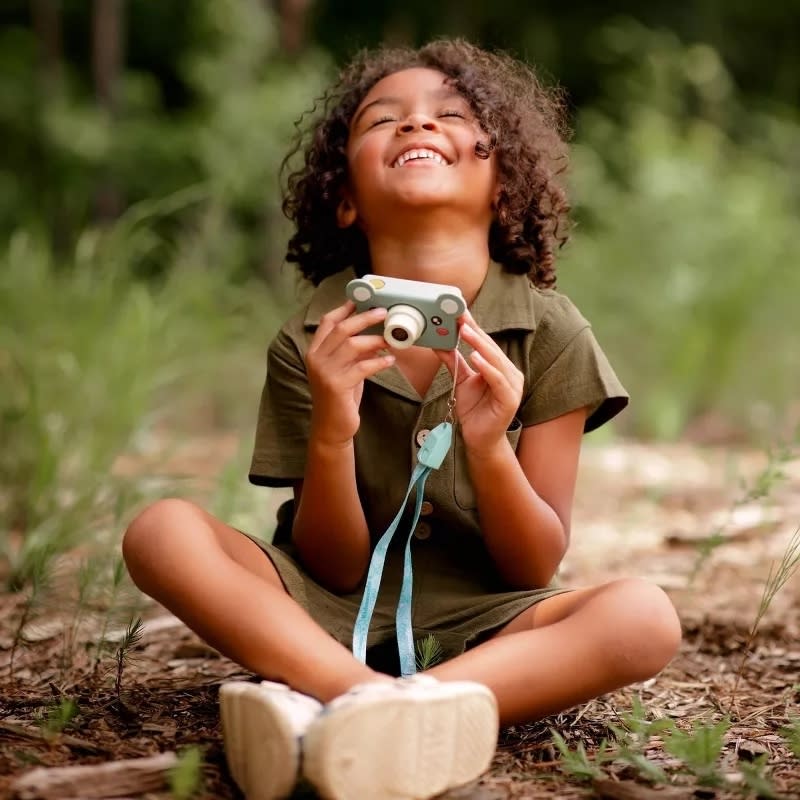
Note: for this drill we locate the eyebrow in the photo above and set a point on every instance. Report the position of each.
(390, 100)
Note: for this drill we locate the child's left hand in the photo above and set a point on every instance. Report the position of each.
(488, 390)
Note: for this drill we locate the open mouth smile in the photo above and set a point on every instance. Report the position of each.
(420, 154)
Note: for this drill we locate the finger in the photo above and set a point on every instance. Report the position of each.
(367, 367)
(447, 357)
(343, 329)
(356, 348)
(451, 358)
(487, 347)
(328, 321)
(469, 324)
(502, 388)
(464, 370)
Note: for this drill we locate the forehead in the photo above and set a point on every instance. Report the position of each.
(410, 82)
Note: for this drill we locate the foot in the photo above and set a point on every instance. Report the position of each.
(263, 725)
(406, 740)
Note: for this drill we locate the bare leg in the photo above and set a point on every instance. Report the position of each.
(226, 590)
(572, 647)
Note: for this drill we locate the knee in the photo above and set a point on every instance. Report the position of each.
(647, 632)
(148, 535)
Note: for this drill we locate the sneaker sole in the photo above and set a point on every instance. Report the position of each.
(407, 745)
(262, 751)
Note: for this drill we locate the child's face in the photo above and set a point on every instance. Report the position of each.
(412, 147)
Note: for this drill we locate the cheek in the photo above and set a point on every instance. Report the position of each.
(363, 163)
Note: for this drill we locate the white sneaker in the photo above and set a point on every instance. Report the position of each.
(406, 740)
(262, 726)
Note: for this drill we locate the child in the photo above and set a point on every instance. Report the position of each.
(439, 165)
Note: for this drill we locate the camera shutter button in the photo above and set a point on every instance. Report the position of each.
(422, 435)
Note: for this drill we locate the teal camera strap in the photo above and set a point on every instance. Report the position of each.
(431, 455)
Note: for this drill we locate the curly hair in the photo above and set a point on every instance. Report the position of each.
(524, 126)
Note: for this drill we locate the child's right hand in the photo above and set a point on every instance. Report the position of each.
(337, 362)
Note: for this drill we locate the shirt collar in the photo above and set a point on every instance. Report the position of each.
(505, 301)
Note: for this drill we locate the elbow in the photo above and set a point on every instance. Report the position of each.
(339, 586)
(333, 572)
(537, 568)
(337, 583)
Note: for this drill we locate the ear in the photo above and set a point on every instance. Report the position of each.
(346, 213)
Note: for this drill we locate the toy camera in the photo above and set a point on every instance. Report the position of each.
(419, 313)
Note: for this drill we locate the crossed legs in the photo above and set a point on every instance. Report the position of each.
(562, 651)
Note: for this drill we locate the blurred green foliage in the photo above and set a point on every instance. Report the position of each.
(686, 251)
(95, 362)
(227, 137)
(685, 255)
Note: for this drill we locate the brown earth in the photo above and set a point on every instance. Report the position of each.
(640, 510)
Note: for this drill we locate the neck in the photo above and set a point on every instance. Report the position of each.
(431, 255)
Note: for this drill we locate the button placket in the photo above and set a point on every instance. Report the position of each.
(422, 531)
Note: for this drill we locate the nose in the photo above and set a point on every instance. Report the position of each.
(415, 122)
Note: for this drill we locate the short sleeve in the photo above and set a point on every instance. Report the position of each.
(568, 371)
(279, 454)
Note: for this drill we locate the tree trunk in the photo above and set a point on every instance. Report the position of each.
(107, 58)
(292, 25)
(46, 16)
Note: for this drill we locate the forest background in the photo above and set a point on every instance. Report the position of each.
(141, 239)
(142, 276)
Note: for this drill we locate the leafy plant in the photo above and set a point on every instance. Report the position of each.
(791, 735)
(777, 578)
(759, 488)
(116, 584)
(429, 652)
(186, 777)
(699, 749)
(131, 638)
(40, 576)
(756, 779)
(60, 716)
(576, 762)
(632, 737)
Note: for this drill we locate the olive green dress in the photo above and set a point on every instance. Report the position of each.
(459, 596)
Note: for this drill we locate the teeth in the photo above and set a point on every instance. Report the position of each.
(410, 155)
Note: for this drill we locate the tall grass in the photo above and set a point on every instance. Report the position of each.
(92, 361)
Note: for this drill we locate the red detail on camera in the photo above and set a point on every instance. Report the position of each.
(442, 331)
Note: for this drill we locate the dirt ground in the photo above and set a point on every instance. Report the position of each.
(640, 511)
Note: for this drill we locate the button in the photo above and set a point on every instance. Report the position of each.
(422, 531)
(425, 508)
(422, 435)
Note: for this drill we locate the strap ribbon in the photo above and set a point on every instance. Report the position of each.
(431, 455)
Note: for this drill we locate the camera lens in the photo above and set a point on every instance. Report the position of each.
(403, 326)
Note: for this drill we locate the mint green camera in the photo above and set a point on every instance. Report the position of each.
(419, 313)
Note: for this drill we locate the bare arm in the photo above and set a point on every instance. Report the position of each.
(330, 530)
(525, 499)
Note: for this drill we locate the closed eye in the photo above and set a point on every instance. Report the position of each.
(381, 120)
(453, 113)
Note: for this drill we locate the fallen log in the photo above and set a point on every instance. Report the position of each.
(132, 776)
